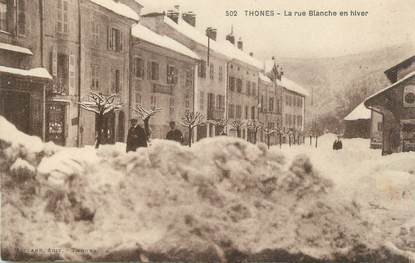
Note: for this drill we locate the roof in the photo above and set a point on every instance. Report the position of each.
(15, 48)
(142, 32)
(118, 8)
(359, 113)
(231, 51)
(408, 76)
(191, 32)
(264, 78)
(292, 86)
(35, 72)
(412, 58)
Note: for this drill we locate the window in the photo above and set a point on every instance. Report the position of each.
(246, 112)
(231, 83)
(172, 103)
(262, 104)
(248, 88)
(94, 77)
(202, 100)
(172, 74)
(22, 17)
(62, 74)
(239, 85)
(202, 69)
(187, 100)
(299, 120)
(116, 81)
(189, 79)
(153, 70)
(212, 71)
(62, 25)
(253, 89)
(115, 39)
(221, 103)
(138, 68)
(153, 101)
(238, 111)
(231, 114)
(253, 112)
(220, 73)
(380, 126)
(96, 29)
(210, 102)
(286, 120)
(278, 106)
(4, 13)
(271, 104)
(137, 98)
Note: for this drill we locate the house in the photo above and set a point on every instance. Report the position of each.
(24, 82)
(163, 76)
(211, 81)
(396, 104)
(358, 122)
(86, 48)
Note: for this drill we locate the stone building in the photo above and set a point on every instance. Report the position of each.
(396, 104)
(270, 107)
(86, 48)
(163, 76)
(211, 80)
(24, 82)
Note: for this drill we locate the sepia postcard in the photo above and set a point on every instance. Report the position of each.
(207, 131)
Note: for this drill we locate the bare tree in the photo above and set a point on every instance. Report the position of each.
(101, 105)
(145, 115)
(221, 123)
(192, 120)
(237, 124)
(254, 125)
(268, 132)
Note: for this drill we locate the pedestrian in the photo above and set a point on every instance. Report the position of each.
(337, 145)
(174, 134)
(137, 136)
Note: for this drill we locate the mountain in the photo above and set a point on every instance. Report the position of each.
(339, 84)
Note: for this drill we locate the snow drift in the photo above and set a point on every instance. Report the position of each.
(223, 200)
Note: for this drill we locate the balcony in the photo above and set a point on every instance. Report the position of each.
(215, 114)
(163, 88)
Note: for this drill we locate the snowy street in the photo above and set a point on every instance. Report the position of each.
(224, 199)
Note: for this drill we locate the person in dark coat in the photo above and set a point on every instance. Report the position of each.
(337, 145)
(137, 136)
(174, 134)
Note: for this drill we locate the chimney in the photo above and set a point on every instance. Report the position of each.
(251, 54)
(173, 15)
(211, 33)
(230, 37)
(240, 44)
(190, 18)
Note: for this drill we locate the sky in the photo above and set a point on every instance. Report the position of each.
(388, 23)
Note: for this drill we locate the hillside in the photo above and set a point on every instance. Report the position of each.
(335, 80)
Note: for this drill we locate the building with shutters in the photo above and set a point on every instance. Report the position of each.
(23, 81)
(86, 48)
(396, 105)
(211, 80)
(163, 76)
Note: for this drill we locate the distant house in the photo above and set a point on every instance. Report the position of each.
(396, 103)
(362, 122)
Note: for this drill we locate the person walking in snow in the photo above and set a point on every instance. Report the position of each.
(174, 134)
(337, 145)
(137, 136)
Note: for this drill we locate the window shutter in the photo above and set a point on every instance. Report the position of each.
(71, 72)
(121, 40)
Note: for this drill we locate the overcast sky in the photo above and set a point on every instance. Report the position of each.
(389, 22)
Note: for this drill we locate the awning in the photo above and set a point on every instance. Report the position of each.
(16, 49)
(35, 72)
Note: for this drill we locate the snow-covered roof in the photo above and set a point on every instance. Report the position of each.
(292, 86)
(236, 53)
(359, 113)
(150, 36)
(265, 78)
(15, 48)
(191, 32)
(408, 76)
(34, 72)
(118, 8)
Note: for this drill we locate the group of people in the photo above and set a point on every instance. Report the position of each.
(337, 145)
(138, 137)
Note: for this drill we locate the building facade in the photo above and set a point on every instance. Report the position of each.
(396, 104)
(163, 76)
(24, 82)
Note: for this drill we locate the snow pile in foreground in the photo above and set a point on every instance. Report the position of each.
(222, 200)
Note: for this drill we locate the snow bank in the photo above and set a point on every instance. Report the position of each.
(223, 200)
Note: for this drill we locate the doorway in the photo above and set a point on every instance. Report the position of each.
(15, 107)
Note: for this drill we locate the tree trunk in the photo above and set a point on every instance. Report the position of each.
(238, 132)
(190, 136)
(100, 119)
(268, 140)
(280, 139)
